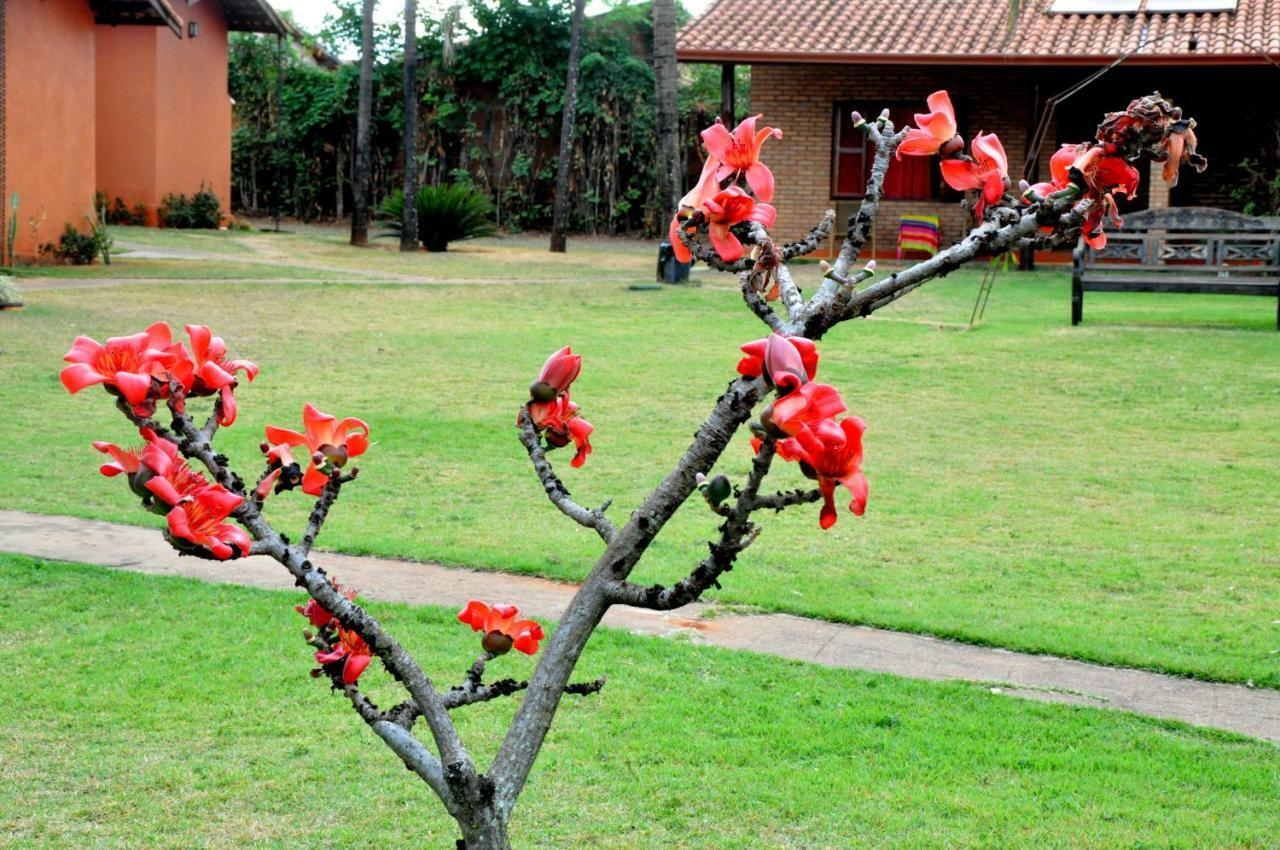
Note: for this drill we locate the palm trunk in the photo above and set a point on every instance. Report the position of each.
(361, 179)
(409, 219)
(560, 211)
(667, 93)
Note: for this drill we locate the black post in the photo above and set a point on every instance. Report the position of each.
(726, 93)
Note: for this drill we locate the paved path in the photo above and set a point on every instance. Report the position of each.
(1249, 711)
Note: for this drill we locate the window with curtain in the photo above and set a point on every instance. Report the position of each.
(910, 178)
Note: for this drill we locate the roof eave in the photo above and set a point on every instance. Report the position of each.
(792, 58)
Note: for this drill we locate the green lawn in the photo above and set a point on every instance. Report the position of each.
(180, 715)
(1106, 492)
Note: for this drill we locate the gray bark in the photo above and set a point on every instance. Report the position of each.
(363, 176)
(666, 90)
(560, 209)
(409, 218)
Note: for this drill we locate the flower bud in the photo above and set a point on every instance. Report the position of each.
(858, 120)
(952, 148)
(336, 455)
(541, 391)
(496, 643)
(717, 490)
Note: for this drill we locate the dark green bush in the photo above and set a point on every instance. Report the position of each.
(202, 210)
(449, 213)
(118, 213)
(76, 248)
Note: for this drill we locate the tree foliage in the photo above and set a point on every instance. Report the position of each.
(491, 118)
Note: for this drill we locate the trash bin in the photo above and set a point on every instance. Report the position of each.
(671, 270)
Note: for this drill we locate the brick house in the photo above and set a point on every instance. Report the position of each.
(812, 61)
(128, 97)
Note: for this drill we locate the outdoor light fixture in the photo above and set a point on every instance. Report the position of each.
(193, 29)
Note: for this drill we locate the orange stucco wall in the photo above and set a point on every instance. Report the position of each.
(49, 121)
(193, 135)
(126, 112)
(164, 117)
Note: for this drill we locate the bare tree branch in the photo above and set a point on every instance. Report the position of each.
(812, 241)
(593, 518)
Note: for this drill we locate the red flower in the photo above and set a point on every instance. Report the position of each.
(831, 454)
(729, 207)
(206, 369)
(561, 423)
(785, 361)
(986, 169)
(502, 630)
(154, 469)
(125, 363)
(936, 128)
(739, 153)
(705, 188)
(801, 408)
(199, 519)
(318, 615)
(329, 439)
(560, 370)
(1105, 173)
(352, 651)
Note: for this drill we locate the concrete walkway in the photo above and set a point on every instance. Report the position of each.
(1236, 708)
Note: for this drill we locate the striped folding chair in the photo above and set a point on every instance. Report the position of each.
(918, 233)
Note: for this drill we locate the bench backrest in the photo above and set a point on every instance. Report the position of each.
(1190, 241)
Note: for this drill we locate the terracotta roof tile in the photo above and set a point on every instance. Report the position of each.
(965, 30)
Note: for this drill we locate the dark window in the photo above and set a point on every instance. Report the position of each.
(910, 178)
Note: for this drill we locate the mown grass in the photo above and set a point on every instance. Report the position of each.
(1106, 492)
(166, 713)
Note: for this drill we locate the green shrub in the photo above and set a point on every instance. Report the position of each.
(76, 248)
(202, 211)
(117, 212)
(449, 213)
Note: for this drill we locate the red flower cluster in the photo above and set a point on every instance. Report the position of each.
(729, 157)
(330, 442)
(502, 631)
(195, 509)
(802, 419)
(986, 166)
(550, 409)
(1099, 176)
(1101, 169)
(141, 368)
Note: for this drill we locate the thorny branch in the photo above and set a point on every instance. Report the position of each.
(736, 534)
(593, 518)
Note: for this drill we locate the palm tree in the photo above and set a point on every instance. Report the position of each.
(666, 90)
(560, 210)
(363, 175)
(409, 219)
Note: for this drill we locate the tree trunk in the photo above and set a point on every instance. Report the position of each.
(666, 91)
(560, 211)
(361, 179)
(486, 831)
(409, 220)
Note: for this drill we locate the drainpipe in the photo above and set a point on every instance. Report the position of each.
(1027, 256)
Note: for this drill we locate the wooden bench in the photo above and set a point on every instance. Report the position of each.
(1182, 249)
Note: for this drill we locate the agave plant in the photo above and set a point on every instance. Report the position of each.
(448, 213)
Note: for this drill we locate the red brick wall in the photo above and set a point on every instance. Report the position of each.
(800, 99)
